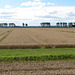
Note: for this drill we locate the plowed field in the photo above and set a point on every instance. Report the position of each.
(38, 68)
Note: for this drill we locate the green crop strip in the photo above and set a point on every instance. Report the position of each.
(36, 54)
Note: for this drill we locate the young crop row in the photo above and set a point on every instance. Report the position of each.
(36, 54)
(38, 58)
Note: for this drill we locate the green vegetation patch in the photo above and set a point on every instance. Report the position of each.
(36, 54)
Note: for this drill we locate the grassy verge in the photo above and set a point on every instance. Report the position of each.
(36, 54)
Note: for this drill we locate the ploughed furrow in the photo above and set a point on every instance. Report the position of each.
(38, 72)
(4, 35)
(44, 69)
(66, 67)
(38, 36)
(29, 33)
(19, 37)
(54, 35)
(3, 31)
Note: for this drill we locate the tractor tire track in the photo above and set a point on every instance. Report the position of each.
(33, 38)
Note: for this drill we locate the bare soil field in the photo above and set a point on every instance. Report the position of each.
(36, 36)
(38, 68)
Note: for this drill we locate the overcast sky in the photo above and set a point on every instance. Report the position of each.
(34, 12)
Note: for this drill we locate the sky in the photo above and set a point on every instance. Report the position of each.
(33, 12)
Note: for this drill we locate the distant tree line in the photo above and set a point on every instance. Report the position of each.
(65, 24)
(58, 24)
(6, 24)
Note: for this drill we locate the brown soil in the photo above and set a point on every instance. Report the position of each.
(37, 37)
(22, 36)
(38, 68)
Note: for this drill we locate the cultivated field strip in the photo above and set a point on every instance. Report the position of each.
(42, 37)
(18, 37)
(4, 34)
(38, 68)
(34, 38)
(49, 35)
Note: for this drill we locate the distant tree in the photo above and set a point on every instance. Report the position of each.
(64, 24)
(5, 24)
(57, 24)
(70, 24)
(26, 24)
(12, 24)
(23, 24)
(61, 24)
(74, 23)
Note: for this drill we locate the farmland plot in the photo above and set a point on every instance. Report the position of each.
(38, 68)
(54, 35)
(4, 33)
(37, 36)
(19, 37)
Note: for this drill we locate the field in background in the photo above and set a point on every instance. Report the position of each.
(37, 37)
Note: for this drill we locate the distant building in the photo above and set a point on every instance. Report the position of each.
(3, 24)
(45, 24)
(12, 25)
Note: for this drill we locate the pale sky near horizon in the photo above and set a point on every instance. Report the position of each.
(34, 12)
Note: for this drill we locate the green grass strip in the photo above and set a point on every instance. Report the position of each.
(36, 54)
